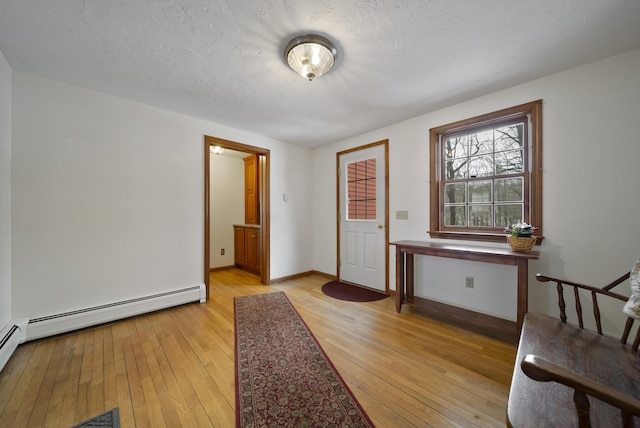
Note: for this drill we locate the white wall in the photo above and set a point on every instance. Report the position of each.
(292, 217)
(5, 191)
(108, 198)
(227, 206)
(590, 188)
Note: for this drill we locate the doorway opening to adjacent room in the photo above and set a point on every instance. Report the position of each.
(264, 219)
(363, 215)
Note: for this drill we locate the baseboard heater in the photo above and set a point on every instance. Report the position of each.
(11, 336)
(74, 320)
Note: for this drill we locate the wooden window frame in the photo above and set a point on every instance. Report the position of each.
(533, 171)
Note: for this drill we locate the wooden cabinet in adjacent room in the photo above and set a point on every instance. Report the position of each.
(247, 247)
(247, 236)
(238, 245)
(252, 248)
(251, 190)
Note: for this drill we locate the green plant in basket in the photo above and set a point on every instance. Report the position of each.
(520, 230)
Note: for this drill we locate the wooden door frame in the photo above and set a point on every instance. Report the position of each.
(386, 205)
(264, 192)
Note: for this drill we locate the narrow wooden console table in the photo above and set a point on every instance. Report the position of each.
(504, 256)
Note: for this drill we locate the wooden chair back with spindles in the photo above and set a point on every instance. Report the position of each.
(568, 375)
(606, 291)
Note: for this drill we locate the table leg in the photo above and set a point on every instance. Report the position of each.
(399, 279)
(523, 292)
(409, 276)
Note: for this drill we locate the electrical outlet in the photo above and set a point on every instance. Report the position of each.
(468, 282)
(222, 252)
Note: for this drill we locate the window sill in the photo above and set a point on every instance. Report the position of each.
(473, 236)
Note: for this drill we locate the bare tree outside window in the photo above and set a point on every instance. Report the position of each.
(486, 177)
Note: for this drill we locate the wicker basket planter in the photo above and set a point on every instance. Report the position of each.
(521, 243)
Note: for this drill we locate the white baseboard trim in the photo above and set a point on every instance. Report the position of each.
(11, 335)
(74, 320)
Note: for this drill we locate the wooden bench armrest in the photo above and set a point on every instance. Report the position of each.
(543, 370)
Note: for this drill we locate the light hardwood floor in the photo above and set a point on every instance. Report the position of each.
(175, 368)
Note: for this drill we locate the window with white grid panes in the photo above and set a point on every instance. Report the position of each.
(486, 174)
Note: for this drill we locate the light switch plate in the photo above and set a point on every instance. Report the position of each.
(402, 215)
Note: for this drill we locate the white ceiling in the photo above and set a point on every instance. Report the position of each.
(223, 60)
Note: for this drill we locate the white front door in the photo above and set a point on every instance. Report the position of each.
(363, 217)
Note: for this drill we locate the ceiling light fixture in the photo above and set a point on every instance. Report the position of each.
(216, 149)
(310, 56)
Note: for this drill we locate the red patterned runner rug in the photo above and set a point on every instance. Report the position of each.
(283, 376)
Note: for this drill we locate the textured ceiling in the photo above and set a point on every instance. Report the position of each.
(223, 60)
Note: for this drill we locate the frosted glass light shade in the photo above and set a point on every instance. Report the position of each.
(310, 56)
(216, 149)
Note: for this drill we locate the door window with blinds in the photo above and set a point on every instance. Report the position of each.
(361, 190)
